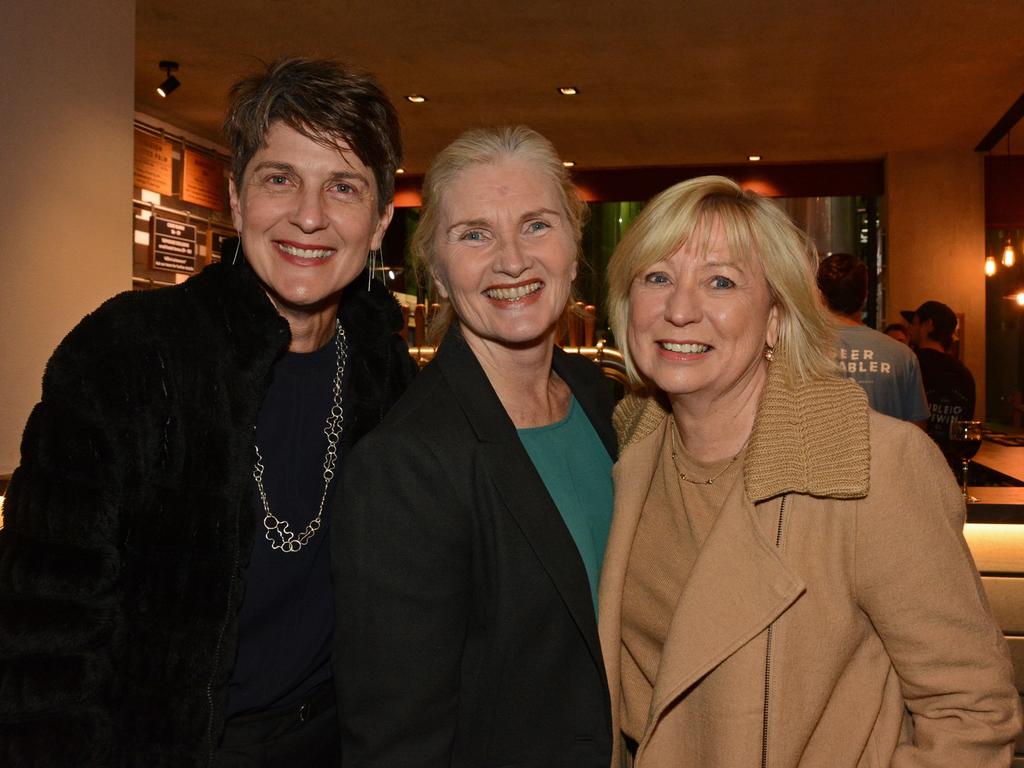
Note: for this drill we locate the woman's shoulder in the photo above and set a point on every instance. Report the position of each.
(898, 441)
(637, 416)
(904, 447)
(178, 314)
(117, 333)
(427, 409)
(909, 473)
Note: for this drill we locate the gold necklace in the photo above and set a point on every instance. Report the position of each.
(694, 481)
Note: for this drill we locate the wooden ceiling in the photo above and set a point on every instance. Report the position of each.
(662, 82)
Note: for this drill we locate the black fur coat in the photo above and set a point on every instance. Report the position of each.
(128, 523)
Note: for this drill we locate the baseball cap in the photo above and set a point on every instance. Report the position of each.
(943, 318)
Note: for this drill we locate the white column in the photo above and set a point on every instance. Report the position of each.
(68, 93)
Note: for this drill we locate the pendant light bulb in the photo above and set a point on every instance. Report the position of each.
(1008, 255)
(990, 265)
(1020, 299)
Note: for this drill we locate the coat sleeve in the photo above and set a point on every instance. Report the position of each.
(918, 584)
(59, 563)
(401, 559)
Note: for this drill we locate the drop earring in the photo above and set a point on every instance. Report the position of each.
(376, 259)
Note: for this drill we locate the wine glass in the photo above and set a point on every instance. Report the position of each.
(965, 440)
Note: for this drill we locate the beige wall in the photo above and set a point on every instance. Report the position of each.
(67, 91)
(935, 221)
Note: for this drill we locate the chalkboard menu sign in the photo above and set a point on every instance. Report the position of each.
(174, 245)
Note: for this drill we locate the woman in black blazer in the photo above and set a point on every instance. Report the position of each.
(467, 549)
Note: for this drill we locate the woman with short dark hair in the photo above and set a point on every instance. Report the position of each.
(165, 587)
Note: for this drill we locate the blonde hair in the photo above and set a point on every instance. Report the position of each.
(478, 147)
(753, 227)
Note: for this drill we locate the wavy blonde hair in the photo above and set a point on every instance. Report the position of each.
(754, 227)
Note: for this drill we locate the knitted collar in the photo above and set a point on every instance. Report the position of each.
(811, 439)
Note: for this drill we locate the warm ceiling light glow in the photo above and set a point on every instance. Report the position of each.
(399, 170)
(990, 265)
(1020, 299)
(568, 90)
(415, 98)
(753, 158)
(569, 163)
(1008, 254)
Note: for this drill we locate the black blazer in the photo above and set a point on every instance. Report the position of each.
(465, 633)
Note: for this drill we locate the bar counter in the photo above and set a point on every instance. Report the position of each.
(996, 504)
(995, 536)
(1006, 460)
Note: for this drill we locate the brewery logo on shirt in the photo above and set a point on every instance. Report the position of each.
(861, 361)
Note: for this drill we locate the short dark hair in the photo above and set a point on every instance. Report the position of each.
(323, 100)
(843, 282)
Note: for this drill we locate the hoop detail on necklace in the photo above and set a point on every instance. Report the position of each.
(278, 532)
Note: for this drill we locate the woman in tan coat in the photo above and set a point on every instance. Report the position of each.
(786, 581)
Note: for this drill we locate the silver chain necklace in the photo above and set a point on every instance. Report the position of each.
(278, 533)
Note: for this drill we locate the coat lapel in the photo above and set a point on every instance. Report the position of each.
(738, 586)
(520, 486)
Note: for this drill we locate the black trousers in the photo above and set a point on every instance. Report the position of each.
(302, 735)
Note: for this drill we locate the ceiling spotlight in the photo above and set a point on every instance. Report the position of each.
(753, 158)
(169, 85)
(399, 171)
(569, 163)
(415, 98)
(568, 90)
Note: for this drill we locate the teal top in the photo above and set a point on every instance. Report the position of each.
(577, 471)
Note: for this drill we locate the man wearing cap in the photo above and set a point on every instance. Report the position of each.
(948, 385)
(884, 368)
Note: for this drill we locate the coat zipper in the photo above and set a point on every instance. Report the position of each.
(768, 655)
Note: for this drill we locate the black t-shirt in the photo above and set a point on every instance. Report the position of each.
(286, 621)
(949, 388)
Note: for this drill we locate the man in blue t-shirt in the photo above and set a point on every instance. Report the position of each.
(886, 369)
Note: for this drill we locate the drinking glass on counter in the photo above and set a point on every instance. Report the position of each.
(965, 441)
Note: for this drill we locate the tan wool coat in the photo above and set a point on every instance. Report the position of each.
(833, 617)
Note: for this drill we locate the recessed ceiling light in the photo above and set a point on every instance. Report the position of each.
(415, 98)
(753, 158)
(569, 163)
(568, 90)
(399, 170)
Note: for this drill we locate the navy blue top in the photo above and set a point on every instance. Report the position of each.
(286, 623)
